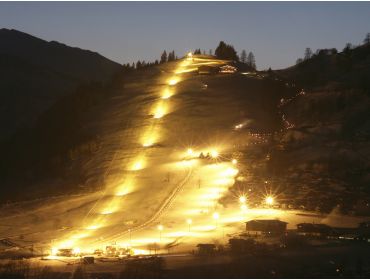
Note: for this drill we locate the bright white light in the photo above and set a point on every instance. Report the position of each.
(216, 216)
(190, 152)
(173, 81)
(166, 94)
(160, 227)
(230, 172)
(234, 161)
(92, 227)
(137, 165)
(242, 199)
(269, 200)
(54, 251)
(214, 154)
(189, 221)
(76, 251)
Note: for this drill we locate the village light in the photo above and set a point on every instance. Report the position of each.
(148, 143)
(242, 199)
(216, 216)
(234, 161)
(76, 251)
(189, 222)
(54, 251)
(269, 200)
(173, 81)
(160, 229)
(214, 154)
(159, 112)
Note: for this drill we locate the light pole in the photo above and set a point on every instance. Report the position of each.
(160, 228)
(189, 222)
(216, 216)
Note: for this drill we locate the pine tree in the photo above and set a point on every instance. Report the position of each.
(251, 61)
(367, 39)
(243, 56)
(163, 57)
(307, 53)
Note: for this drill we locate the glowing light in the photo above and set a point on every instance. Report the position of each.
(76, 251)
(234, 161)
(140, 252)
(159, 113)
(173, 81)
(244, 207)
(54, 251)
(107, 212)
(187, 163)
(224, 181)
(216, 216)
(242, 199)
(137, 165)
(230, 172)
(92, 227)
(79, 236)
(160, 227)
(189, 221)
(190, 54)
(166, 94)
(190, 152)
(214, 154)
(121, 193)
(148, 142)
(269, 200)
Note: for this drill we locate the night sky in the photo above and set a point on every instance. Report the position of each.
(276, 32)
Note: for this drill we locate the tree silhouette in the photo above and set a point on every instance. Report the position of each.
(347, 48)
(307, 53)
(197, 51)
(251, 61)
(243, 56)
(224, 51)
(163, 57)
(171, 56)
(299, 60)
(367, 39)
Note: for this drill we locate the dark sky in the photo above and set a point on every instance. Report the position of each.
(276, 32)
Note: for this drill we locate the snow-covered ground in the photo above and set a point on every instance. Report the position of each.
(156, 189)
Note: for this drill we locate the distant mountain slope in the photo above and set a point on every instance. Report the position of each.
(346, 70)
(326, 146)
(35, 73)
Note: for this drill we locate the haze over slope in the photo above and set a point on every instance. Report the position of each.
(35, 73)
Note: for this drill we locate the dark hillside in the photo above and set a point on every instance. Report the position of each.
(349, 69)
(35, 73)
(324, 152)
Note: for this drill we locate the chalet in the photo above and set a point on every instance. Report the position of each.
(206, 249)
(271, 227)
(207, 69)
(315, 230)
(228, 69)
